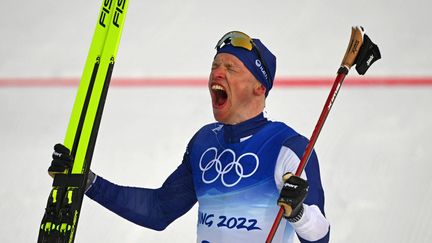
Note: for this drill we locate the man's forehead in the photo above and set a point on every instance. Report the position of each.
(227, 58)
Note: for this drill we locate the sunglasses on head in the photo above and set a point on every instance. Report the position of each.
(242, 40)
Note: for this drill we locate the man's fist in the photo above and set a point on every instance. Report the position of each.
(62, 160)
(292, 196)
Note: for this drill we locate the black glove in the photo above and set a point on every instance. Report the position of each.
(292, 196)
(62, 160)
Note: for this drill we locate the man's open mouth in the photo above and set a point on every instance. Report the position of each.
(219, 95)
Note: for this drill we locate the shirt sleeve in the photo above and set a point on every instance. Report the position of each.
(313, 227)
(150, 208)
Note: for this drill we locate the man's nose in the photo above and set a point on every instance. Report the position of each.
(217, 73)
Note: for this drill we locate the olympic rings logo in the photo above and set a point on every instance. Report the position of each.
(234, 166)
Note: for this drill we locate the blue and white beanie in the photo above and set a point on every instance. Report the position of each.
(252, 61)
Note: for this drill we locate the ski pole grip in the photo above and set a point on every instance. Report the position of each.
(353, 48)
(287, 208)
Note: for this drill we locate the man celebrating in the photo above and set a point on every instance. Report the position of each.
(238, 169)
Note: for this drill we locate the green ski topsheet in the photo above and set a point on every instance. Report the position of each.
(103, 50)
(64, 203)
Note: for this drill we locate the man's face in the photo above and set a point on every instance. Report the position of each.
(233, 90)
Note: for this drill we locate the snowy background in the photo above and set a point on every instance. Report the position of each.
(373, 149)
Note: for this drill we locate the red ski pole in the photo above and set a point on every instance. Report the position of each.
(354, 45)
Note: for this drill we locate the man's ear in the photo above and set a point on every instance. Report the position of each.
(259, 89)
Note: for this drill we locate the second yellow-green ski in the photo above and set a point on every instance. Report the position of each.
(63, 208)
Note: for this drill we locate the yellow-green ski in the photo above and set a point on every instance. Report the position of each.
(64, 203)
